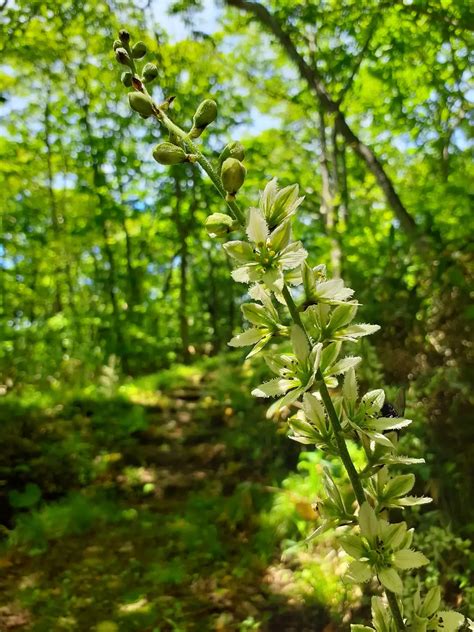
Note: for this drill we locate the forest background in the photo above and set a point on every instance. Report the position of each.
(141, 487)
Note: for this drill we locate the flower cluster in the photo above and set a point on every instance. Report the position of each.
(303, 334)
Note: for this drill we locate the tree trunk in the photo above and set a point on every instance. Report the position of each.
(99, 182)
(328, 195)
(183, 271)
(58, 304)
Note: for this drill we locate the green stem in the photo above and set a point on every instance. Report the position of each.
(342, 447)
(395, 608)
(333, 416)
(203, 162)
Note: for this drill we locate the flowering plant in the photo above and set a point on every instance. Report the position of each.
(308, 372)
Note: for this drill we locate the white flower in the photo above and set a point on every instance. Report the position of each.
(268, 255)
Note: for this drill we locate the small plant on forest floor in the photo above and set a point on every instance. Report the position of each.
(312, 328)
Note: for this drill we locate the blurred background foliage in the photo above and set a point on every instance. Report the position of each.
(140, 487)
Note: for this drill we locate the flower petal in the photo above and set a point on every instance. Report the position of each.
(257, 227)
(368, 521)
(276, 386)
(292, 256)
(241, 251)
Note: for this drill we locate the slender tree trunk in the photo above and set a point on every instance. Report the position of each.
(327, 198)
(134, 289)
(213, 303)
(231, 304)
(183, 271)
(99, 182)
(344, 208)
(58, 305)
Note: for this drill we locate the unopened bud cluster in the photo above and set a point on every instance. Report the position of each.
(126, 55)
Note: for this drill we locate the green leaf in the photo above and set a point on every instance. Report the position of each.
(380, 438)
(300, 344)
(406, 559)
(259, 346)
(431, 602)
(368, 521)
(313, 409)
(329, 354)
(247, 337)
(380, 616)
(392, 535)
(274, 280)
(391, 580)
(353, 332)
(412, 501)
(398, 486)
(332, 292)
(419, 624)
(344, 365)
(288, 399)
(256, 314)
(356, 627)
(302, 428)
(398, 459)
(349, 389)
(280, 237)
(373, 401)
(342, 315)
(352, 545)
(243, 274)
(26, 499)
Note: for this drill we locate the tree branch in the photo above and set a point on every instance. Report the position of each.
(316, 84)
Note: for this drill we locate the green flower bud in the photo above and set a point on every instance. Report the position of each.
(141, 103)
(117, 44)
(139, 50)
(204, 116)
(122, 57)
(126, 79)
(173, 138)
(124, 36)
(150, 72)
(169, 154)
(233, 175)
(219, 224)
(233, 149)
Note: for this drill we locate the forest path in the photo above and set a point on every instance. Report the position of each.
(167, 534)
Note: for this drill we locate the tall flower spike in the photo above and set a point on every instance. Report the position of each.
(269, 259)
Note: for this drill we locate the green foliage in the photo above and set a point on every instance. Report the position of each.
(271, 261)
(108, 269)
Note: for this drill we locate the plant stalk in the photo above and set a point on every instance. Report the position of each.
(333, 416)
(394, 607)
